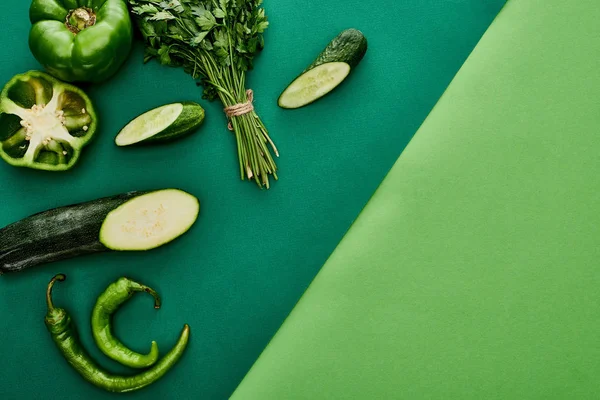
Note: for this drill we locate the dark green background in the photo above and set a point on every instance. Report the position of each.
(240, 270)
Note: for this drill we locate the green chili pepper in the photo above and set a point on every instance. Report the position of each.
(44, 123)
(80, 40)
(108, 303)
(64, 335)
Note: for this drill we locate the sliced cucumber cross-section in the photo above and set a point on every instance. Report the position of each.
(163, 123)
(314, 84)
(328, 71)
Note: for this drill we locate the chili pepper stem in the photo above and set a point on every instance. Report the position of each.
(155, 295)
(59, 277)
(137, 287)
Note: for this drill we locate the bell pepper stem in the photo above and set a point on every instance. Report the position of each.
(79, 19)
(59, 277)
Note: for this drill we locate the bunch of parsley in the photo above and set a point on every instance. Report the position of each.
(215, 41)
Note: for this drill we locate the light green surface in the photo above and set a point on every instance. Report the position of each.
(238, 272)
(473, 272)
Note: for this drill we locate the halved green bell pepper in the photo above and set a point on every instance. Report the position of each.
(80, 40)
(44, 123)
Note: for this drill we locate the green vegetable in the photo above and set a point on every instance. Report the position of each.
(64, 334)
(149, 221)
(106, 305)
(44, 123)
(131, 221)
(80, 40)
(161, 124)
(215, 42)
(327, 72)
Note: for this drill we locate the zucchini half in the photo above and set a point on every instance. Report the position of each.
(133, 221)
(327, 72)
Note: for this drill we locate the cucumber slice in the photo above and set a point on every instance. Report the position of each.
(149, 221)
(164, 123)
(328, 71)
(314, 84)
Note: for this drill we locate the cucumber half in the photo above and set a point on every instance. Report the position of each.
(328, 71)
(129, 221)
(160, 124)
(314, 84)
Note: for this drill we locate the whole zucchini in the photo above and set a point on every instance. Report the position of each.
(139, 220)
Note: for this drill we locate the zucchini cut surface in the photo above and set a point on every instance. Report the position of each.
(314, 84)
(149, 221)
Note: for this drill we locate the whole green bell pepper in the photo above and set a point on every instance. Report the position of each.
(80, 40)
(44, 122)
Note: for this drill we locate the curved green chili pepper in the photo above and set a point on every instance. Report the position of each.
(107, 304)
(64, 335)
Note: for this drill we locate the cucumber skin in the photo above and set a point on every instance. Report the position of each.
(57, 234)
(350, 47)
(190, 119)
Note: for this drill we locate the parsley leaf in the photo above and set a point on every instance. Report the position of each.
(162, 16)
(196, 40)
(145, 8)
(206, 21)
